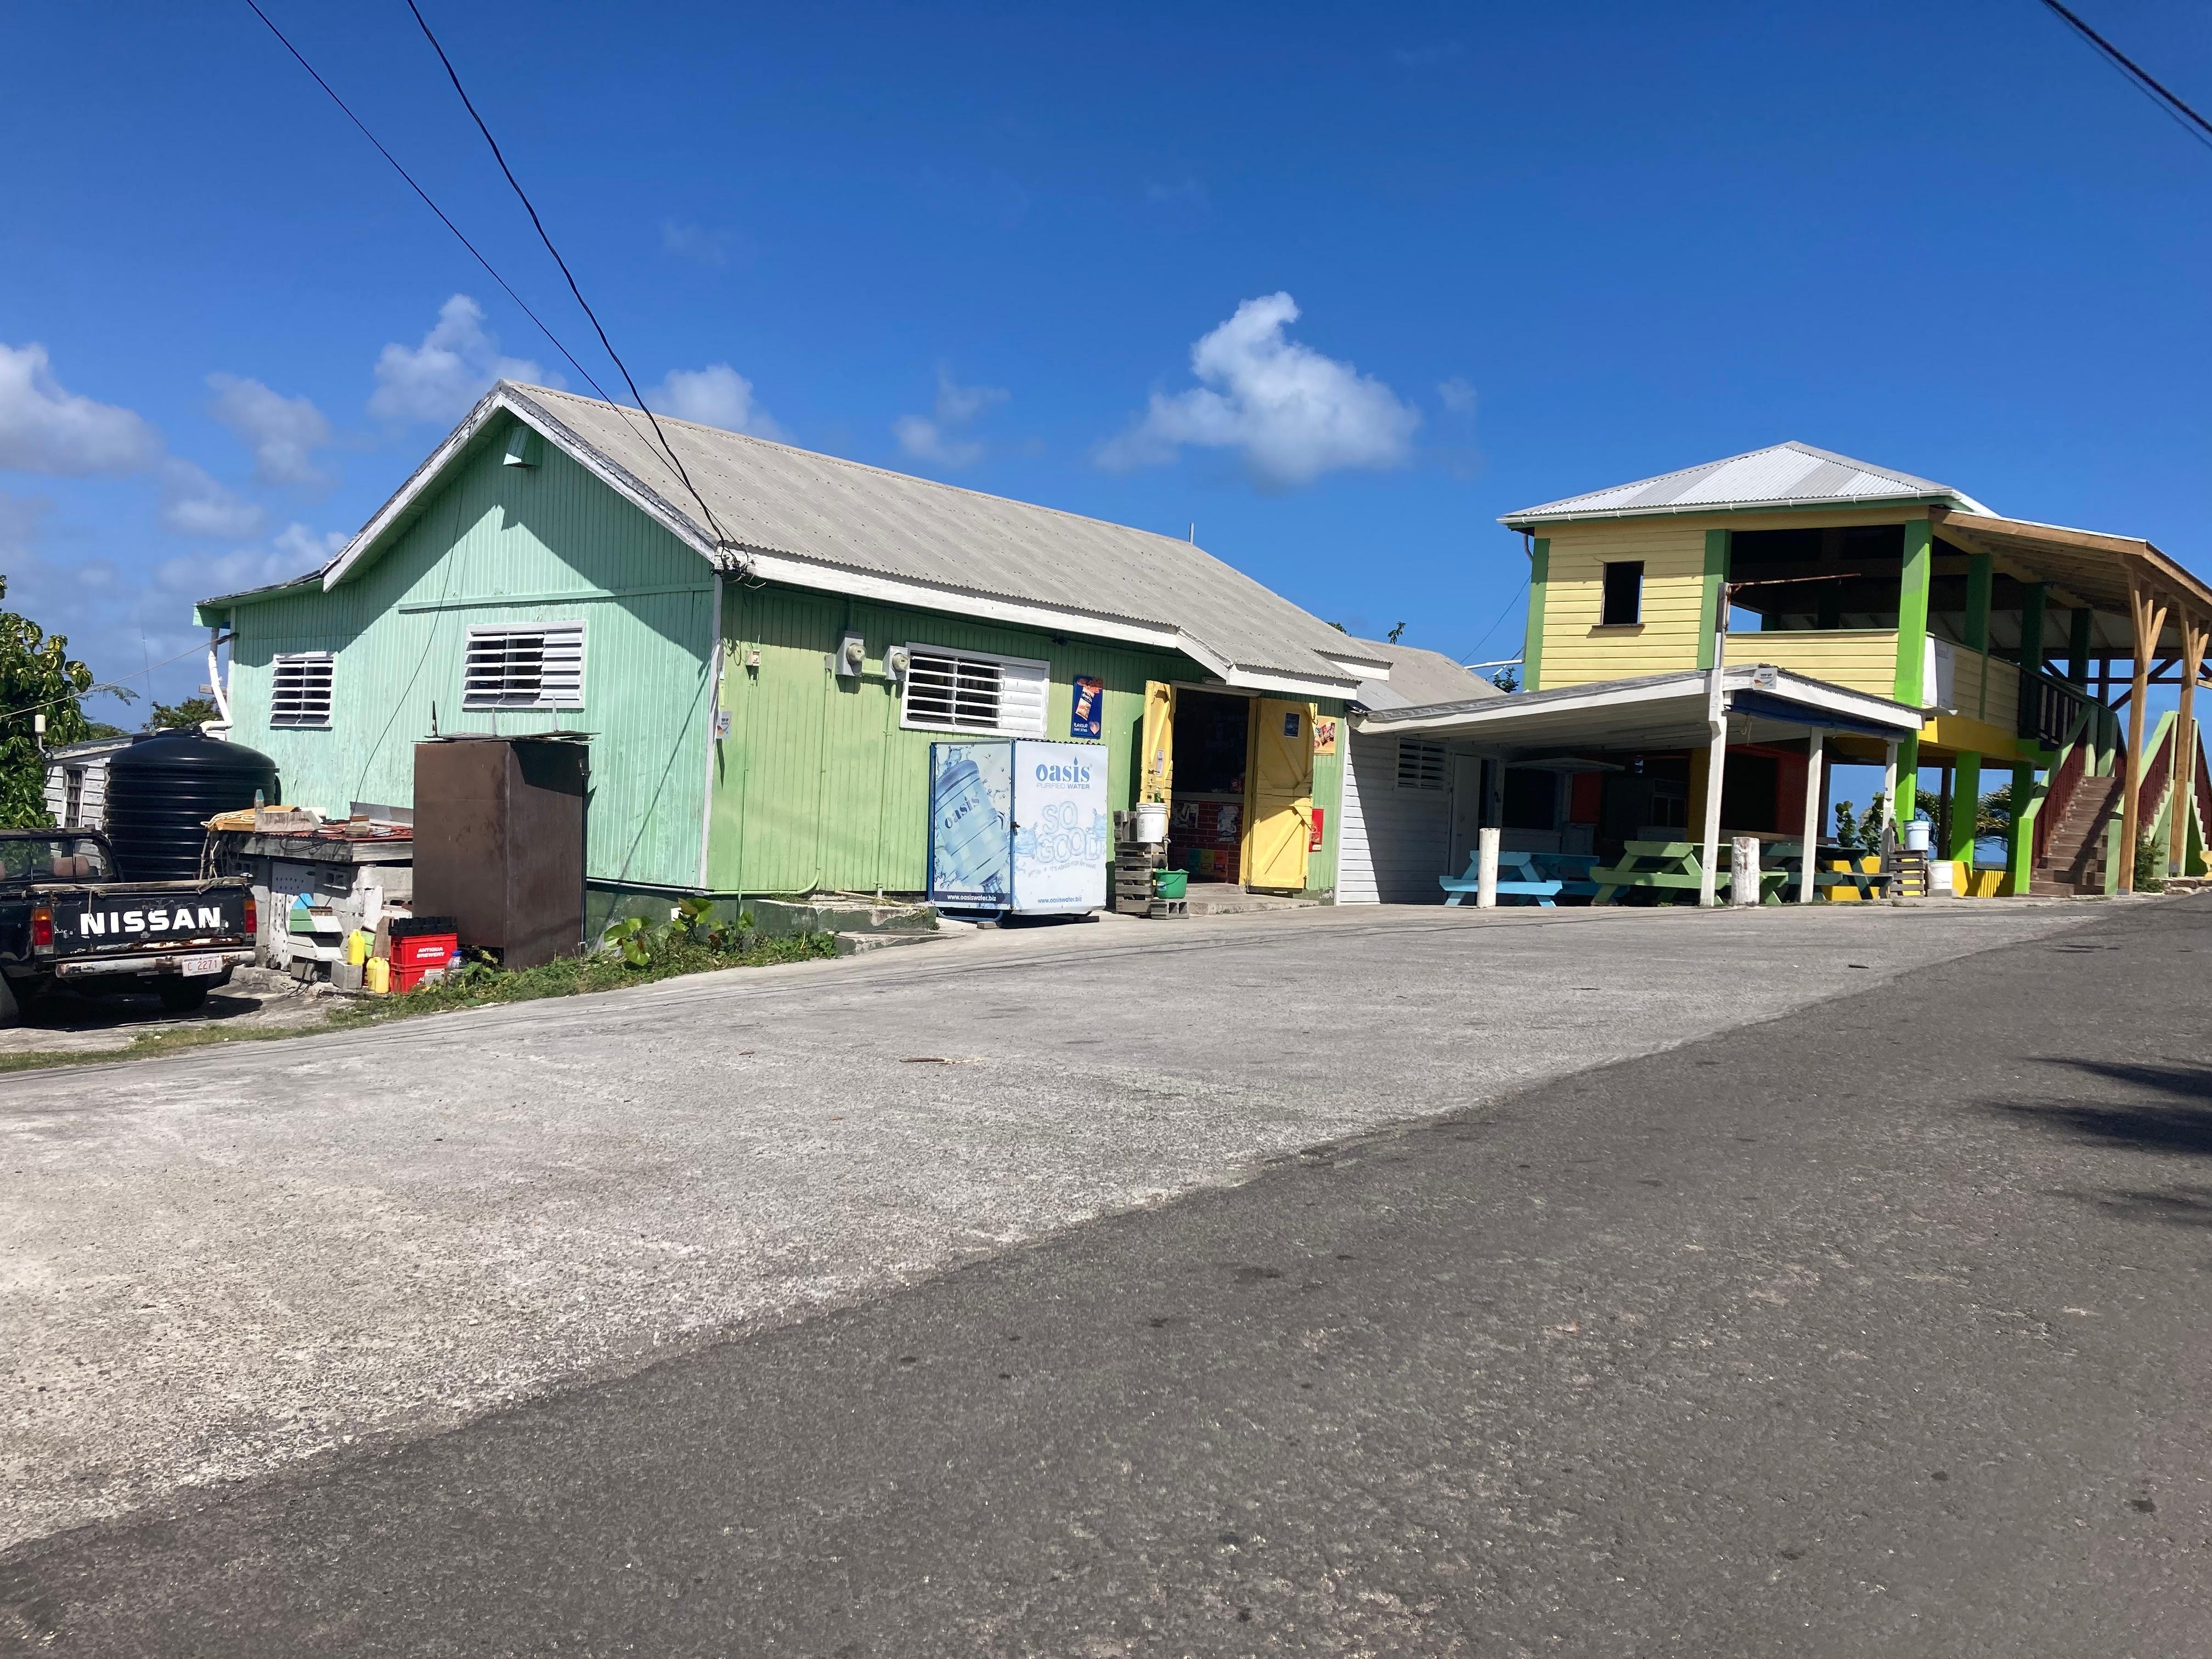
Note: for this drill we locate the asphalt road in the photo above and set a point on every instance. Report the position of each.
(1881, 1327)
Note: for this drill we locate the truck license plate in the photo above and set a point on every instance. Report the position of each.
(193, 966)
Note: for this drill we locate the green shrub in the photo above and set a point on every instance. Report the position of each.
(2150, 865)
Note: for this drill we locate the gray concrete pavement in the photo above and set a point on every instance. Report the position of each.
(215, 1264)
(1875, 1331)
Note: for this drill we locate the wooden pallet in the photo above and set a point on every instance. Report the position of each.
(1911, 875)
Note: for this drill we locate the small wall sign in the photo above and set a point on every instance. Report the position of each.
(1086, 716)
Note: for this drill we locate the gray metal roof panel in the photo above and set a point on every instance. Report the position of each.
(1785, 475)
(1419, 677)
(844, 514)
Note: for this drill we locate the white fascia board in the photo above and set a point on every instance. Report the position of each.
(496, 401)
(1503, 711)
(1823, 694)
(1537, 521)
(1360, 668)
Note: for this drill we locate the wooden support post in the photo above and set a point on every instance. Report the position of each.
(1485, 869)
(1889, 782)
(2077, 650)
(2149, 616)
(1814, 790)
(2184, 744)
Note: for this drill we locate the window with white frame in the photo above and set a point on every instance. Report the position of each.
(300, 688)
(973, 691)
(540, 665)
(1420, 765)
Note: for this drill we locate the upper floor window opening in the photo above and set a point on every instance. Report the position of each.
(1624, 594)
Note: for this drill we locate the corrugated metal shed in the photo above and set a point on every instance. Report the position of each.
(1782, 475)
(819, 522)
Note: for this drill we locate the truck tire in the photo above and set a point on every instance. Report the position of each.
(181, 996)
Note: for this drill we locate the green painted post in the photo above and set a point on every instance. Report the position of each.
(1912, 621)
(2021, 853)
(2077, 646)
(1981, 570)
(1532, 644)
(2030, 628)
(1901, 810)
(1965, 804)
(1716, 569)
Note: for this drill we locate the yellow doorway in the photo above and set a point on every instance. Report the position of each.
(1279, 793)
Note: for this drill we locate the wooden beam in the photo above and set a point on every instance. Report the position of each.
(2149, 618)
(2193, 635)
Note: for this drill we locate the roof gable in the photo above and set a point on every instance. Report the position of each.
(1782, 476)
(818, 521)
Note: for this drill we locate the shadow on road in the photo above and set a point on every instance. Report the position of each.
(2178, 1121)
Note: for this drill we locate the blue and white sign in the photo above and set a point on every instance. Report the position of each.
(970, 824)
(1062, 829)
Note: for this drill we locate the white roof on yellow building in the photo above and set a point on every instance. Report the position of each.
(1780, 477)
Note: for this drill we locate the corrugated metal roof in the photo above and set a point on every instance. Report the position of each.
(1418, 678)
(837, 515)
(1786, 475)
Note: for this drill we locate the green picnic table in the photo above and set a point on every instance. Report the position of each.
(1670, 866)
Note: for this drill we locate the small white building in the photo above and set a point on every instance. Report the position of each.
(1402, 795)
(76, 783)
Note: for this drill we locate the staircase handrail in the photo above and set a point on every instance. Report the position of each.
(2052, 797)
(2051, 707)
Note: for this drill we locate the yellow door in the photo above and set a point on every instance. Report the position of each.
(1155, 771)
(1280, 795)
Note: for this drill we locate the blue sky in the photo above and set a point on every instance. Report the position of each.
(1530, 251)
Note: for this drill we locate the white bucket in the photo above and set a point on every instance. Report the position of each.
(1917, 835)
(1942, 878)
(1151, 821)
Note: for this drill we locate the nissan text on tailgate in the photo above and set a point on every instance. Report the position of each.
(64, 917)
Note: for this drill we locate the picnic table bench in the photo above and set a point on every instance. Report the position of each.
(1533, 877)
(1670, 867)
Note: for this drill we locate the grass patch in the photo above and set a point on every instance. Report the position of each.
(479, 986)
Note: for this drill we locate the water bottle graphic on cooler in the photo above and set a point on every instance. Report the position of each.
(972, 845)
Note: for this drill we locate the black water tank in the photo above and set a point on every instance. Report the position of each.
(163, 787)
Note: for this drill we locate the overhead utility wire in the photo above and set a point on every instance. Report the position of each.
(524, 197)
(2188, 119)
(427, 202)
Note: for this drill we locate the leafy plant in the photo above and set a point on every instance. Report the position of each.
(2150, 865)
(1507, 678)
(1856, 831)
(37, 676)
(1993, 813)
(628, 939)
(176, 716)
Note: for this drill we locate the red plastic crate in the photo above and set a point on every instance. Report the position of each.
(417, 954)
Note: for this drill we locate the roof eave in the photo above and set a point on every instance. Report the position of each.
(1536, 518)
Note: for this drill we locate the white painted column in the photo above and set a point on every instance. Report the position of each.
(1486, 868)
(1889, 783)
(1715, 769)
(1815, 759)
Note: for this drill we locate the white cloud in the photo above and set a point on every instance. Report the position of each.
(293, 551)
(957, 406)
(282, 433)
(44, 429)
(194, 504)
(1292, 413)
(1189, 193)
(1456, 394)
(716, 395)
(697, 243)
(442, 378)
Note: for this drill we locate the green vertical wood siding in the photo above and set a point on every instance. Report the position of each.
(503, 545)
(817, 784)
(1532, 637)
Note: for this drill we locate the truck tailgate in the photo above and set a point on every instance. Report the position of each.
(134, 918)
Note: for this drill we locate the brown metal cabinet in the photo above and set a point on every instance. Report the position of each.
(499, 842)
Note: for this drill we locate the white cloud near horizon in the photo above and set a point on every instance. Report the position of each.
(282, 434)
(1291, 412)
(194, 504)
(716, 395)
(935, 438)
(456, 364)
(293, 551)
(1456, 394)
(44, 428)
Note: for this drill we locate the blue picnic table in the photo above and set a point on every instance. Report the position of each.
(1527, 877)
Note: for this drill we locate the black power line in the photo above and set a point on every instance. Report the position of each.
(427, 202)
(524, 197)
(2187, 118)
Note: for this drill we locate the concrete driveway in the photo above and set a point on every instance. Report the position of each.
(214, 1264)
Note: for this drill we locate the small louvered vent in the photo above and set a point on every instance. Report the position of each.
(300, 688)
(1420, 765)
(537, 667)
(964, 692)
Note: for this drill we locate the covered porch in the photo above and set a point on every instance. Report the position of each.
(1591, 772)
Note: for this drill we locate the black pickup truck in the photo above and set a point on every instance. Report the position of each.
(64, 917)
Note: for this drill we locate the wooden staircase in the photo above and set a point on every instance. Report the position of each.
(2072, 862)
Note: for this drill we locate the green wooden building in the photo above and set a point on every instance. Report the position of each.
(763, 654)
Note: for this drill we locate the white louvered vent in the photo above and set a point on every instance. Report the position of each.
(1420, 765)
(300, 688)
(963, 691)
(541, 667)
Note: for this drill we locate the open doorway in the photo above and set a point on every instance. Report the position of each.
(1205, 820)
